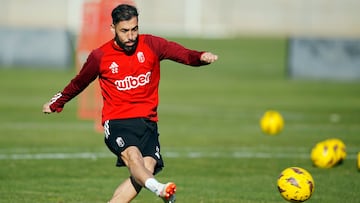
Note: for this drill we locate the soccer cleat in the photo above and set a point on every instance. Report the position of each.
(171, 200)
(168, 193)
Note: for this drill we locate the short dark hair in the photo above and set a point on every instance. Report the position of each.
(123, 12)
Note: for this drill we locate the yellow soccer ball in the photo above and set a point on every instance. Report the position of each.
(339, 148)
(358, 161)
(295, 184)
(323, 155)
(272, 122)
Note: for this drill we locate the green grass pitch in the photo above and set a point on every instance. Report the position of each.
(209, 128)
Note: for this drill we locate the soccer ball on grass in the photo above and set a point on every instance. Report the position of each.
(323, 156)
(339, 148)
(328, 153)
(295, 184)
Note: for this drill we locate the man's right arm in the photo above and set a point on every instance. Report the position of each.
(87, 74)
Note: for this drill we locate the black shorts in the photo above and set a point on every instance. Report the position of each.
(139, 132)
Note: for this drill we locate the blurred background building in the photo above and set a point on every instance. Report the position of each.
(47, 29)
(204, 18)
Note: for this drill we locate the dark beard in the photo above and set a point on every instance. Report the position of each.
(128, 49)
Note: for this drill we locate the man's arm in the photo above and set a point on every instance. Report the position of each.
(173, 51)
(87, 74)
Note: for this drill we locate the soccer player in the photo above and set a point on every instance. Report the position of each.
(128, 70)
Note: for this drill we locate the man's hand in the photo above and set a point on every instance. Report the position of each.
(208, 57)
(46, 108)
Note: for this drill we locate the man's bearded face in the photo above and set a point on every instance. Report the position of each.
(126, 34)
(129, 45)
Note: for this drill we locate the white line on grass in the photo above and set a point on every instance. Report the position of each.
(98, 155)
(81, 155)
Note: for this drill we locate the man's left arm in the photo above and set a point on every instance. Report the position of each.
(176, 52)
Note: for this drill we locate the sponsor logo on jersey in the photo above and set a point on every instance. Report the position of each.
(131, 82)
(114, 67)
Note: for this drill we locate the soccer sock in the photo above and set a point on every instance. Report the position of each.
(154, 186)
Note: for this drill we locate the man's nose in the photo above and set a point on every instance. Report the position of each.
(131, 36)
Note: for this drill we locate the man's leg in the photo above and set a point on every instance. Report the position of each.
(129, 189)
(125, 192)
(136, 164)
(142, 170)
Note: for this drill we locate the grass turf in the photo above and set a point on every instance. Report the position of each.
(209, 125)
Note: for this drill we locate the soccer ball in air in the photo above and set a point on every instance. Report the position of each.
(295, 184)
(272, 122)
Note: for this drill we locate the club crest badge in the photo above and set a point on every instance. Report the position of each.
(120, 142)
(141, 57)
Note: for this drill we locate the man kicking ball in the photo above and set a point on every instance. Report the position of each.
(128, 70)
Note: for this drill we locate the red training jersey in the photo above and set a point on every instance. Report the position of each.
(129, 83)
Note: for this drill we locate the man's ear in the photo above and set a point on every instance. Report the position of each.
(112, 28)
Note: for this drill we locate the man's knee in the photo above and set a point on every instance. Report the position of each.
(131, 155)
